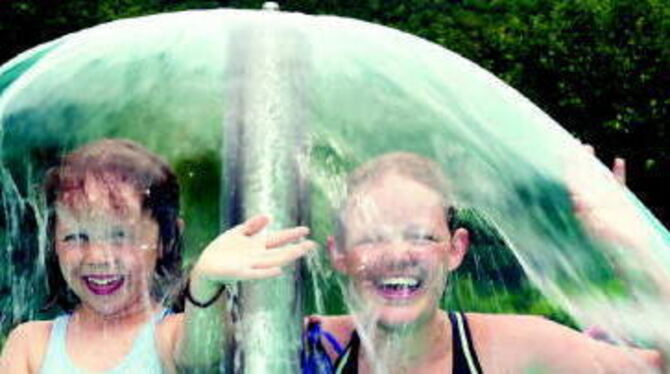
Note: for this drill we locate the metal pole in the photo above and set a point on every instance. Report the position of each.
(264, 143)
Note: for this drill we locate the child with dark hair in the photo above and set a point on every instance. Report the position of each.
(107, 165)
(114, 256)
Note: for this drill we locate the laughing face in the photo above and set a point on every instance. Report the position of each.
(398, 249)
(107, 246)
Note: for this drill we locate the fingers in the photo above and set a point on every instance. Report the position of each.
(255, 224)
(589, 149)
(250, 274)
(251, 226)
(279, 238)
(618, 167)
(283, 256)
(257, 263)
(619, 170)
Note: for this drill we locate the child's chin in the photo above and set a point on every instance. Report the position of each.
(105, 309)
(108, 306)
(399, 317)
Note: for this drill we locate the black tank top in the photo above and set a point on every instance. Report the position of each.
(464, 359)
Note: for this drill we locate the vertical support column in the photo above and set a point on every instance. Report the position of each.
(264, 142)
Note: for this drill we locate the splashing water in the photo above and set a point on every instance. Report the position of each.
(248, 105)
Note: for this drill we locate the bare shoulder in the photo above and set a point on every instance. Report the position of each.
(523, 333)
(35, 332)
(34, 329)
(498, 337)
(25, 347)
(168, 332)
(169, 325)
(506, 327)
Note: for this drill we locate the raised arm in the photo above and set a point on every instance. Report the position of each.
(609, 215)
(523, 344)
(602, 204)
(563, 350)
(201, 336)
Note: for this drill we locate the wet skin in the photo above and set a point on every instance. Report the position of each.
(107, 248)
(398, 250)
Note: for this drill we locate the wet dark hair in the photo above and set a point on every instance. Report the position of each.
(114, 162)
(404, 164)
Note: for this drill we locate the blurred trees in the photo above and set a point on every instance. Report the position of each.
(601, 68)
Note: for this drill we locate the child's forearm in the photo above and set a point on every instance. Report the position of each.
(239, 254)
(207, 329)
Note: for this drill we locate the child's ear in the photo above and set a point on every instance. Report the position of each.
(336, 255)
(460, 242)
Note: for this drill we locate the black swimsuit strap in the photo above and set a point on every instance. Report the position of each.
(464, 358)
(347, 363)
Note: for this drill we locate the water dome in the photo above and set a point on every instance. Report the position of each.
(264, 111)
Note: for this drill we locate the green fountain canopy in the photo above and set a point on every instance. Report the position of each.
(174, 80)
(193, 85)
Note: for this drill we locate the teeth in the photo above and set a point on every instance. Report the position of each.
(103, 282)
(400, 282)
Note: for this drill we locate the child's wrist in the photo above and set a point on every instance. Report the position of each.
(203, 292)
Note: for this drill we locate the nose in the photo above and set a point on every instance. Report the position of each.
(401, 250)
(410, 249)
(98, 254)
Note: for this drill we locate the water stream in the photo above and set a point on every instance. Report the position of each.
(268, 112)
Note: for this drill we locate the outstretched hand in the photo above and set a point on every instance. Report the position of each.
(242, 253)
(618, 166)
(600, 200)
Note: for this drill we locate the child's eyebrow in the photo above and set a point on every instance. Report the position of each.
(428, 232)
(415, 228)
(366, 236)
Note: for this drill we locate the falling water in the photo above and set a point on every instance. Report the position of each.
(264, 143)
(244, 103)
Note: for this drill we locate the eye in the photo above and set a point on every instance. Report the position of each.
(371, 240)
(118, 236)
(422, 238)
(76, 238)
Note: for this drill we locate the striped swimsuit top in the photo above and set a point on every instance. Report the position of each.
(464, 359)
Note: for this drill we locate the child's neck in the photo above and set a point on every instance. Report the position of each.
(85, 316)
(428, 343)
(99, 342)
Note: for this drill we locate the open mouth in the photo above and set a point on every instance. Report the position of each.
(399, 287)
(103, 284)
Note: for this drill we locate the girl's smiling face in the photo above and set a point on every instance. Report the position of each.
(107, 246)
(398, 249)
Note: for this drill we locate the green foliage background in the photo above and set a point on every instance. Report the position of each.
(601, 68)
